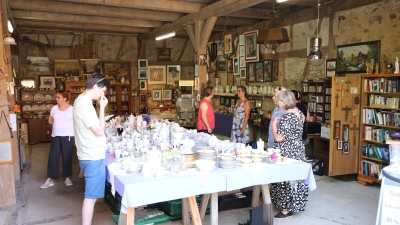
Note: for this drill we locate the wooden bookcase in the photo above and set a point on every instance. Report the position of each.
(120, 98)
(75, 88)
(380, 115)
(317, 95)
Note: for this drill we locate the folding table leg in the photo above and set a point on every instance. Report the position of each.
(195, 211)
(214, 208)
(185, 211)
(255, 201)
(203, 205)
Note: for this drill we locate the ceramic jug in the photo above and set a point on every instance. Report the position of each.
(227, 89)
(265, 90)
(254, 90)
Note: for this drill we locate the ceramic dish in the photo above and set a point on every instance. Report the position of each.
(26, 97)
(49, 106)
(26, 108)
(43, 107)
(48, 98)
(38, 97)
(35, 107)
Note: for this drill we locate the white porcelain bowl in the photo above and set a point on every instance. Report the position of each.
(206, 153)
(205, 165)
(227, 164)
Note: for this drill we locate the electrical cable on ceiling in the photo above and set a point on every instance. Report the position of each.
(8, 125)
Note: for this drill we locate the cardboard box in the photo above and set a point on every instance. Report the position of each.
(325, 132)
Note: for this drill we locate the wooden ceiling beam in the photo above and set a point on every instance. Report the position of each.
(160, 5)
(63, 17)
(93, 10)
(220, 8)
(234, 21)
(85, 27)
(255, 13)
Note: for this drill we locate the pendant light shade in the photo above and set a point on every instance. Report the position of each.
(315, 57)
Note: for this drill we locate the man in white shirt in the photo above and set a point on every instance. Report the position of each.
(90, 141)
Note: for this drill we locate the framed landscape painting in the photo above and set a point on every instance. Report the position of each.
(66, 68)
(173, 73)
(352, 58)
(115, 70)
(90, 66)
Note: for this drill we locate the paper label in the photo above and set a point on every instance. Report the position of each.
(390, 205)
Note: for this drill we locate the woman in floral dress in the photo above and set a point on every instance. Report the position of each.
(289, 196)
(241, 113)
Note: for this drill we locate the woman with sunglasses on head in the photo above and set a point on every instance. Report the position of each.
(62, 140)
(241, 113)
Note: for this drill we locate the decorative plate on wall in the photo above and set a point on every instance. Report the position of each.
(38, 97)
(27, 97)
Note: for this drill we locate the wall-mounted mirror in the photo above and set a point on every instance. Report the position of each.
(27, 83)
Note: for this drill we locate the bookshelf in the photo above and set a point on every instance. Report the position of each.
(317, 95)
(380, 116)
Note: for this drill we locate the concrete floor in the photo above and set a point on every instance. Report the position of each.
(333, 202)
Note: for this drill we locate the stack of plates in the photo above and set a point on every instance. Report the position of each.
(206, 154)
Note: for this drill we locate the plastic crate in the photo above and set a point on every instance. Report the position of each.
(155, 220)
(174, 207)
(113, 201)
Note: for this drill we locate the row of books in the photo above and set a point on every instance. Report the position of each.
(375, 151)
(382, 84)
(387, 118)
(317, 89)
(315, 118)
(370, 169)
(375, 134)
(328, 99)
(327, 115)
(382, 101)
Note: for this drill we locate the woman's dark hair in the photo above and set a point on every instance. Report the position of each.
(207, 91)
(244, 89)
(99, 79)
(296, 94)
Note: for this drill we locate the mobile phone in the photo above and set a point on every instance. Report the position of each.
(112, 117)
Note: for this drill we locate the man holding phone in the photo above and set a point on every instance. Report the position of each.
(90, 141)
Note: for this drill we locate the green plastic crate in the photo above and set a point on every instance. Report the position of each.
(174, 207)
(155, 220)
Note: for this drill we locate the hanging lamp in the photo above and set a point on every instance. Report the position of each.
(315, 57)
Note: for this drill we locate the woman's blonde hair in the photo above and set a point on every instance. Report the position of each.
(287, 97)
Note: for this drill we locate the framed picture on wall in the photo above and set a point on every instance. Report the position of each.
(143, 85)
(251, 72)
(115, 70)
(38, 64)
(250, 46)
(157, 74)
(228, 44)
(268, 69)
(346, 148)
(275, 73)
(142, 63)
(167, 95)
(143, 98)
(242, 62)
(259, 71)
(235, 62)
(142, 74)
(47, 82)
(90, 66)
(66, 68)
(352, 58)
(164, 54)
(157, 95)
(330, 67)
(242, 72)
(202, 59)
(173, 73)
(339, 144)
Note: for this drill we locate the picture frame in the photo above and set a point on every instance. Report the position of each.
(346, 148)
(275, 73)
(251, 72)
(196, 83)
(115, 70)
(258, 103)
(339, 144)
(143, 74)
(157, 94)
(142, 63)
(196, 70)
(259, 72)
(167, 95)
(227, 102)
(164, 54)
(143, 98)
(173, 73)
(346, 130)
(66, 68)
(143, 85)
(251, 48)
(242, 73)
(235, 63)
(47, 82)
(27, 82)
(268, 70)
(90, 66)
(7, 151)
(241, 51)
(243, 83)
(213, 52)
(366, 51)
(242, 62)
(221, 64)
(241, 40)
(237, 81)
(157, 75)
(336, 133)
(222, 100)
(38, 64)
(330, 67)
(228, 44)
(202, 60)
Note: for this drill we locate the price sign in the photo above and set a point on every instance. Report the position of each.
(390, 205)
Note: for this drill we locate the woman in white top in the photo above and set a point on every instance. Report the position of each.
(62, 140)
